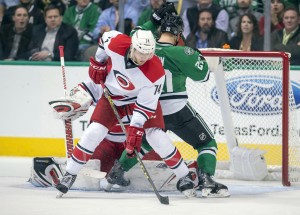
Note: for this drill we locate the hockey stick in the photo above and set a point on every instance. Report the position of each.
(68, 123)
(68, 127)
(162, 199)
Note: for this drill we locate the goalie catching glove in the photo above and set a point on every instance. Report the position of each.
(73, 106)
(133, 140)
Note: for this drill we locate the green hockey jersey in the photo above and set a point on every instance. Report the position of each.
(180, 63)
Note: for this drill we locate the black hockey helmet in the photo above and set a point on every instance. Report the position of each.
(172, 24)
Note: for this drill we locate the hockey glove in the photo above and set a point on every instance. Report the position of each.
(160, 13)
(133, 140)
(72, 106)
(97, 71)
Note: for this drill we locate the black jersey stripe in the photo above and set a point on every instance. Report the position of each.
(84, 149)
(144, 107)
(173, 97)
(77, 161)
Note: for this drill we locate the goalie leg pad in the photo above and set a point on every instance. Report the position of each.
(45, 172)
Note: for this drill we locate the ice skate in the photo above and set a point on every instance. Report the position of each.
(104, 185)
(186, 185)
(64, 185)
(211, 188)
(116, 176)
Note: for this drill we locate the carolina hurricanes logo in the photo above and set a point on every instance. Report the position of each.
(123, 81)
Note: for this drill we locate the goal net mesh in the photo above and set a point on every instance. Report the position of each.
(254, 87)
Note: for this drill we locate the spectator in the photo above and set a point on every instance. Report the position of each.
(206, 35)
(103, 4)
(61, 4)
(6, 10)
(15, 37)
(258, 6)
(83, 17)
(293, 3)
(189, 17)
(145, 15)
(109, 19)
(138, 7)
(231, 6)
(247, 37)
(70, 3)
(183, 5)
(46, 39)
(244, 6)
(36, 16)
(277, 9)
(288, 38)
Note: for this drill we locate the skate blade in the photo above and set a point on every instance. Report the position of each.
(59, 195)
(189, 193)
(223, 193)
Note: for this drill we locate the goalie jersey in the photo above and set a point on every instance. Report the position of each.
(126, 82)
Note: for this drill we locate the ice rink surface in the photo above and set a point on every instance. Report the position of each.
(18, 197)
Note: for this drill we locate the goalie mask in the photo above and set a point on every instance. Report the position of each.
(142, 46)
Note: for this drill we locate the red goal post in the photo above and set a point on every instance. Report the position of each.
(262, 109)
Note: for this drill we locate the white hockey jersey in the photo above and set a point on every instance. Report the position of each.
(128, 83)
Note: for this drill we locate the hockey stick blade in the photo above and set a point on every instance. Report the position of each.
(92, 173)
(162, 199)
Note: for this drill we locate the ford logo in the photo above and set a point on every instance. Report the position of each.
(256, 95)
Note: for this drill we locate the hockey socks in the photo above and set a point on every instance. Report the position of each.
(207, 159)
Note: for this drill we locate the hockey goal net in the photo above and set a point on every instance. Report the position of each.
(262, 110)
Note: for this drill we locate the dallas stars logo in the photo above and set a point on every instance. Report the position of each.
(189, 51)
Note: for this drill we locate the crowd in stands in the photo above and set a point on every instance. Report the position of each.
(33, 29)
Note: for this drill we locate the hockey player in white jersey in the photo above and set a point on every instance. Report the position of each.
(134, 82)
(180, 117)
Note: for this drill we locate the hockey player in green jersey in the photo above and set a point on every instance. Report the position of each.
(179, 63)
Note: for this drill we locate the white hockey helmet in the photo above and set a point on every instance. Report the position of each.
(143, 41)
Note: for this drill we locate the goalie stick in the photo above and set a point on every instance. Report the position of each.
(162, 199)
(68, 123)
(68, 127)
